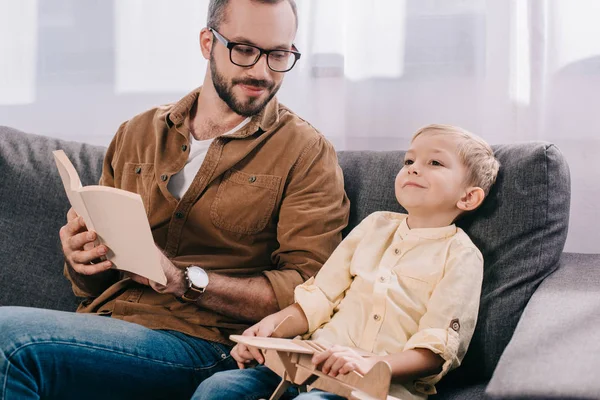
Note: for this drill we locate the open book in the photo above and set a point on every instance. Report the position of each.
(119, 219)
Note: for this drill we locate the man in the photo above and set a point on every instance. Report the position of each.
(245, 201)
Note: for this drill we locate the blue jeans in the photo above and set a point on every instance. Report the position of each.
(251, 384)
(59, 355)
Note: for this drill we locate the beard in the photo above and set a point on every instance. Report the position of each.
(247, 108)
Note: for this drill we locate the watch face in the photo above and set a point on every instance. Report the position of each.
(197, 277)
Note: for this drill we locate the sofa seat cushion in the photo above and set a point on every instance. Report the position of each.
(554, 351)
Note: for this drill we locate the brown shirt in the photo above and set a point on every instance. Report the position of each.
(268, 199)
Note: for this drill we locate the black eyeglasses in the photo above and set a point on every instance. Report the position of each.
(246, 55)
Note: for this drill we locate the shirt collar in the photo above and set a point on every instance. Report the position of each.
(264, 120)
(425, 233)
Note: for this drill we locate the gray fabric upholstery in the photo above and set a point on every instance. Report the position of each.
(33, 207)
(521, 229)
(471, 392)
(554, 351)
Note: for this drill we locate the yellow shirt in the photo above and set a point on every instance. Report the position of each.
(388, 288)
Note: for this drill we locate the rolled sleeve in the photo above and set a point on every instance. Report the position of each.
(314, 303)
(445, 343)
(448, 325)
(313, 212)
(283, 283)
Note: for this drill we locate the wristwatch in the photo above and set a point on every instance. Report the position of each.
(197, 281)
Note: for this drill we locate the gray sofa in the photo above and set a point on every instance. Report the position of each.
(538, 305)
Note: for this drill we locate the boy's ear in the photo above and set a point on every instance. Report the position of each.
(472, 198)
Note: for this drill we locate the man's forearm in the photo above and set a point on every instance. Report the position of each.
(413, 364)
(247, 299)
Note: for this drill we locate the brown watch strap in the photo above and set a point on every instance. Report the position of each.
(192, 294)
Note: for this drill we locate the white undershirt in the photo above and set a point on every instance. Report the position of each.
(181, 181)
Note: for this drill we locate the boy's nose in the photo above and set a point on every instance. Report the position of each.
(412, 169)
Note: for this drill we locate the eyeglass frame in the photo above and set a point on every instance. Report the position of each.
(230, 45)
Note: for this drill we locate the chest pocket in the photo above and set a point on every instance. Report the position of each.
(244, 202)
(418, 278)
(138, 178)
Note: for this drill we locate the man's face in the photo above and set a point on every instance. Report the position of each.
(246, 90)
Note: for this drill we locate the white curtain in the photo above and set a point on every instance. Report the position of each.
(157, 45)
(18, 51)
(507, 69)
(371, 72)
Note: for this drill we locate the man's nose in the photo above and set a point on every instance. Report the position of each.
(261, 69)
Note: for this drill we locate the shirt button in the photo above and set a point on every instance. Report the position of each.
(179, 215)
(376, 317)
(252, 179)
(184, 147)
(382, 279)
(138, 170)
(396, 251)
(164, 177)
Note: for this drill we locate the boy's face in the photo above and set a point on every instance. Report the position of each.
(432, 179)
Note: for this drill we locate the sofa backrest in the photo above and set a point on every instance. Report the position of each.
(521, 228)
(33, 207)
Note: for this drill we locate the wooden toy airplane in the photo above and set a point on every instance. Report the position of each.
(291, 359)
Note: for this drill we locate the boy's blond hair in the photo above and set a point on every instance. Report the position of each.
(474, 152)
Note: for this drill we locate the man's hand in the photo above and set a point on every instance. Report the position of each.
(176, 283)
(342, 360)
(78, 246)
(243, 354)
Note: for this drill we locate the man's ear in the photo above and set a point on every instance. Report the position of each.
(206, 39)
(471, 199)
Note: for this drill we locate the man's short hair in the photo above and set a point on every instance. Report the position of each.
(474, 152)
(217, 10)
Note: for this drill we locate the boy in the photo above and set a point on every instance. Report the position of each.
(403, 286)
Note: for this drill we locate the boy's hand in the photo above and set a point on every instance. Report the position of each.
(243, 354)
(342, 360)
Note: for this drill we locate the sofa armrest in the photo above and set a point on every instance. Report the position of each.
(555, 351)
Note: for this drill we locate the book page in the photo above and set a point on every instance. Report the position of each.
(72, 184)
(121, 223)
(119, 219)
